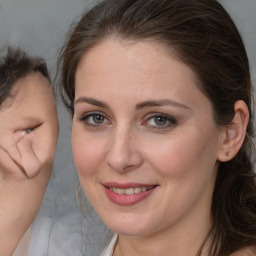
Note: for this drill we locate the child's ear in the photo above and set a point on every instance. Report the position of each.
(234, 133)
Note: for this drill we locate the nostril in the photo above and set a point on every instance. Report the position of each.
(123, 155)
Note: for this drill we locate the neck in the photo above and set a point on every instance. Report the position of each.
(159, 244)
(183, 238)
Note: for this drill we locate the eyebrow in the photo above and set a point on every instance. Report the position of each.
(141, 105)
(92, 102)
(159, 103)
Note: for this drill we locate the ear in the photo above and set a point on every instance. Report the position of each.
(234, 133)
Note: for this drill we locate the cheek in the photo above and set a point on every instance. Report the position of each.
(88, 157)
(44, 140)
(87, 153)
(182, 157)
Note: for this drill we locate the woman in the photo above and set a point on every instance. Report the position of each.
(160, 94)
(28, 138)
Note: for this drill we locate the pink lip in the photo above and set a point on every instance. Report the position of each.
(127, 200)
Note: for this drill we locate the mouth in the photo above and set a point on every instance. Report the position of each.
(129, 193)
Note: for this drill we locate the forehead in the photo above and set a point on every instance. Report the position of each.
(28, 90)
(127, 52)
(115, 54)
(31, 100)
(115, 65)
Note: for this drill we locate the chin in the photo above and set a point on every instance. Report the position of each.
(129, 232)
(127, 228)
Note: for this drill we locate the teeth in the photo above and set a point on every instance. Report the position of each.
(120, 191)
(138, 190)
(130, 191)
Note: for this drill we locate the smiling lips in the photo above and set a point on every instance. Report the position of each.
(130, 191)
(127, 194)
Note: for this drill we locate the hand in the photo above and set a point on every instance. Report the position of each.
(24, 153)
(17, 157)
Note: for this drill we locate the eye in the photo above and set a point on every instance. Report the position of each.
(94, 119)
(160, 121)
(29, 130)
(26, 131)
(97, 119)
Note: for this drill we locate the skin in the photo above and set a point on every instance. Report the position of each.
(124, 143)
(28, 137)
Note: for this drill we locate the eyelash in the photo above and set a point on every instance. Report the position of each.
(85, 119)
(168, 120)
(29, 130)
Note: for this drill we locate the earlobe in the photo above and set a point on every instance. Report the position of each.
(234, 133)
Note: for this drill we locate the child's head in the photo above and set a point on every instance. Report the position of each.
(27, 110)
(28, 137)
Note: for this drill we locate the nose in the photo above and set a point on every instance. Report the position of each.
(123, 154)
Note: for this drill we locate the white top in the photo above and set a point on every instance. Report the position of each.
(109, 249)
(23, 246)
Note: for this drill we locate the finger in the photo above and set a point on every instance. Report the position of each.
(9, 167)
(8, 144)
(10, 158)
(29, 160)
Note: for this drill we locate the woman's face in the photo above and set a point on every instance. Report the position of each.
(144, 140)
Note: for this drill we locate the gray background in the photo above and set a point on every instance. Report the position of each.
(39, 27)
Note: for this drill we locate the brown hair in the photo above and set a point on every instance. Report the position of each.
(205, 38)
(16, 64)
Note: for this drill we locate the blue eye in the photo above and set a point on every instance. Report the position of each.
(94, 119)
(160, 121)
(97, 119)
